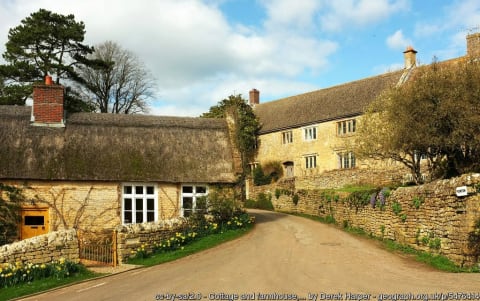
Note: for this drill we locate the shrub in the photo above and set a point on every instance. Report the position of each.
(268, 173)
(295, 199)
(264, 202)
(396, 208)
(417, 202)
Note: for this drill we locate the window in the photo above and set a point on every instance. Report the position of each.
(139, 203)
(310, 161)
(287, 137)
(346, 127)
(346, 160)
(190, 195)
(310, 133)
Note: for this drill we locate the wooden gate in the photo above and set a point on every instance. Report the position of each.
(98, 248)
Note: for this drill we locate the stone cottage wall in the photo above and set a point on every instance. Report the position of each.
(42, 249)
(432, 218)
(132, 237)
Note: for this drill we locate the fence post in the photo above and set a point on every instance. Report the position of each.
(114, 259)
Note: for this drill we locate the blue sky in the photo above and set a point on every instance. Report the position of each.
(201, 51)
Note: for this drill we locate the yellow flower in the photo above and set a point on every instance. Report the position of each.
(43, 266)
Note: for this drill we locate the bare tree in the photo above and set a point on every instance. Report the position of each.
(124, 87)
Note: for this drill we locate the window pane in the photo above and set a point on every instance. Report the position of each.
(150, 216)
(150, 190)
(187, 189)
(38, 220)
(139, 189)
(139, 204)
(127, 189)
(127, 204)
(139, 217)
(127, 217)
(187, 203)
(201, 189)
(150, 204)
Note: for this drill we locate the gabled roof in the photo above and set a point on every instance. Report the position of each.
(332, 103)
(109, 147)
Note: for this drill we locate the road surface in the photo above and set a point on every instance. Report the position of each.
(285, 257)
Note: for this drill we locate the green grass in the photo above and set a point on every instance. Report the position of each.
(201, 244)
(44, 285)
(436, 261)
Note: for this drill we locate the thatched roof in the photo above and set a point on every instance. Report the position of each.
(337, 102)
(107, 147)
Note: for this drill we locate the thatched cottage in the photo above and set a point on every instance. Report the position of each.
(94, 171)
(307, 133)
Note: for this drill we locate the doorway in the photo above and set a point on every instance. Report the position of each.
(34, 222)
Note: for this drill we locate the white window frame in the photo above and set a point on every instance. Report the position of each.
(194, 195)
(310, 161)
(346, 127)
(346, 160)
(144, 196)
(310, 133)
(287, 137)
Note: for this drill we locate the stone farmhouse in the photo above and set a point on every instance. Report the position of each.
(94, 171)
(307, 133)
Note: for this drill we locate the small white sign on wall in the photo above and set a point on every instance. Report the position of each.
(461, 191)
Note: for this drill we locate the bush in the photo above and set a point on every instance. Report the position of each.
(270, 172)
(263, 202)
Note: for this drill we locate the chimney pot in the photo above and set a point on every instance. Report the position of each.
(48, 80)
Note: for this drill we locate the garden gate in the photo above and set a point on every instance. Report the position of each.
(98, 248)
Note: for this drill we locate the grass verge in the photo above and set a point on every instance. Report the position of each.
(436, 261)
(201, 244)
(44, 285)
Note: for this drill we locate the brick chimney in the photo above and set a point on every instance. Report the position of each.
(48, 104)
(254, 97)
(473, 45)
(410, 57)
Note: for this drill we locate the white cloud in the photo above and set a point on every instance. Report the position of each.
(288, 15)
(398, 41)
(196, 56)
(345, 13)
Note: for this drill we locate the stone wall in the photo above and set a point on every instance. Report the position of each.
(43, 248)
(132, 237)
(429, 217)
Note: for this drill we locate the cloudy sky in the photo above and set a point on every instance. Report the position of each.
(201, 51)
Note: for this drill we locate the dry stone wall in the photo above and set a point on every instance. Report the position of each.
(43, 248)
(134, 236)
(430, 217)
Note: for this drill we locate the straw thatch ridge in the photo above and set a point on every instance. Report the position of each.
(342, 101)
(109, 147)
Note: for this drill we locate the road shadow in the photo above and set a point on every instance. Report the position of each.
(264, 216)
